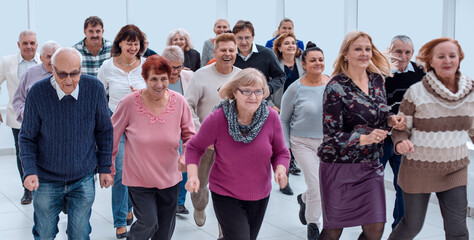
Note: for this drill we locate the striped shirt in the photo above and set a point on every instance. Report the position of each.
(90, 62)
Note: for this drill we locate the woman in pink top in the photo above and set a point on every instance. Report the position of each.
(248, 141)
(154, 120)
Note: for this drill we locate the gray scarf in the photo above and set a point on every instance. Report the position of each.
(236, 129)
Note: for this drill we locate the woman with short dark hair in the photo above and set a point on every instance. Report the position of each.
(121, 74)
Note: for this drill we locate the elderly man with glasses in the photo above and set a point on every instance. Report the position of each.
(66, 135)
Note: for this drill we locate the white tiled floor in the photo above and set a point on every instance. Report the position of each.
(281, 220)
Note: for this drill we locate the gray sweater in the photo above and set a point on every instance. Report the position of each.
(301, 112)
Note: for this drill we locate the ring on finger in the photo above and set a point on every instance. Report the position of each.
(378, 138)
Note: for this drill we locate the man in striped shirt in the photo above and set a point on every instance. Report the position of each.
(94, 48)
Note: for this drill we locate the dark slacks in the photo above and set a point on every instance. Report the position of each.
(239, 220)
(453, 205)
(17, 150)
(155, 210)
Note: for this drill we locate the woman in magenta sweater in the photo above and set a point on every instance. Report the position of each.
(153, 119)
(248, 141)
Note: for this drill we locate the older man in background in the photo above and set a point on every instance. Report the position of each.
(66, 135)
(12, 68)
(34, 74)
(407, 73)
(94, 48)
(202, 96)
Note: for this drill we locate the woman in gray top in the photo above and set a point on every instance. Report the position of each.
(301, 118)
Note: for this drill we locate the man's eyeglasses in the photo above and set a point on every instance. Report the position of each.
(248, 92)
(63, 75)
(176, 68)
(246, 38)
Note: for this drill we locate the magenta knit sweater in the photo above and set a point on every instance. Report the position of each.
(240, 170)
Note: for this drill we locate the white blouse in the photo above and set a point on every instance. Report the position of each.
(117, 82)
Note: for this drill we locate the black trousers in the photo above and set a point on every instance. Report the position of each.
(155, 210)
(15, 132)
(239, 219)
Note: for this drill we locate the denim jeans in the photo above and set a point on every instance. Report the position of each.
(394, 160)
(48, 202)
(120, 203)
(182, 190)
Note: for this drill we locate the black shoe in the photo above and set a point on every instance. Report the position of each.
(121, 235)
(287, 190)
(302, 209)
(182, 210)
(129, 220)
(313, 231)
(27, 198)
(293, 168)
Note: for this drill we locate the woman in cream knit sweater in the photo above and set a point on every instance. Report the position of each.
(439, 112)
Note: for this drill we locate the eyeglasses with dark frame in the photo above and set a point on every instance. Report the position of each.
(176, 68)
(258, 92)
(63, 75)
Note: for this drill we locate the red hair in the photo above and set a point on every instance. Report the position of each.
(425, 54)
(157, 64)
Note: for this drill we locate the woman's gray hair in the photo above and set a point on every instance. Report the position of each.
(65, 50)
(245, 77)
(173, 54)
(51, 45)
(185, 34)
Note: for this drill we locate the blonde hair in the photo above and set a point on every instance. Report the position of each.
(185, 34)
(246, 77)
(378, 63)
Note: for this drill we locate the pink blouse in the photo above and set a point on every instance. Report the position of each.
(151, 141)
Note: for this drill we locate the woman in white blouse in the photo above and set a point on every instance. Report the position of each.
(121, 75)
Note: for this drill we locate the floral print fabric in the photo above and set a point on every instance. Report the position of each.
(348, 113)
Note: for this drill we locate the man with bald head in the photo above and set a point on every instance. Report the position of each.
(12, 68)
(65, 136)
(406, 74)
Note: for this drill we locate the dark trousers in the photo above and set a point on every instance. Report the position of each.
(155, 210)
(239, 220)
(394, 160)
(17, 149)
(453, 205)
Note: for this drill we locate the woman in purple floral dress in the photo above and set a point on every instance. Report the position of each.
(355, 123)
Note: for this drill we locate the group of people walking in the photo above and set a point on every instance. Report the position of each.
(154, 126)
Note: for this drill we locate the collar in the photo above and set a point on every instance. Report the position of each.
(44, 71)
(21, 59)
(85, 48)
(61, 94)
(409, 68)
(254, 50)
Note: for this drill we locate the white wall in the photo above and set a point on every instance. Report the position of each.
(320, 21)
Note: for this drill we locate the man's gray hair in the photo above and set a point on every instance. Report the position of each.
(65, 50)
(26, 33)
(402, 38)
(173, 54)
(51, 45)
